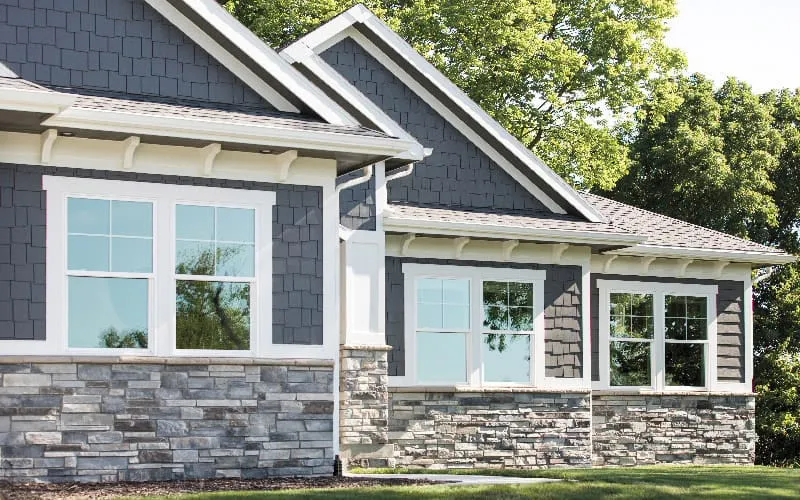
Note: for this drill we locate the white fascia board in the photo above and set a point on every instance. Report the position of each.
(318, 42)
(398, 224)
(346, 90)
(34, 101)
(260, 52)
(706, 254)
(214, 131)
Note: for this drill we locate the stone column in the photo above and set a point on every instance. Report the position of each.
(364, 407)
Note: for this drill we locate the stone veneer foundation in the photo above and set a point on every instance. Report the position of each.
(109, 419)
(681, 428)
(523, 429)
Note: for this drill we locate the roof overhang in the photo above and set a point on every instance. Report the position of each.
(395, 224)
(34, 100)
(362, 23)
(760, 258)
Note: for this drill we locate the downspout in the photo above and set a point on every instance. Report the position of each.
(356, 181)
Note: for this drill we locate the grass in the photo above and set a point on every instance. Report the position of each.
(656, 483)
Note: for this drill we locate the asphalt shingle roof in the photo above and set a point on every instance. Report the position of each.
(667, 231)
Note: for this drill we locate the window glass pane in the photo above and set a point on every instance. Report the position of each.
(620, 304)
(674, 307)
(495, 293)
(132, 255)
(685, 364)
(86, 216)
(520, 294)
(619, 326)
(506, 358)
(521, 318)
(429, 316)
(641, 305)
(630, 364)
(107, 312)
(87, 253)
(194, 222)
(236, 225)
(495, 318)
(631, 315)
(235, 260)
(441, 358)
(641, 327)
(696, 307)
(455, 292)
(696, 329)
(212, 315)
(675, 328)
(429, 290)
(194, 257)
(455, 317)
(131, 218)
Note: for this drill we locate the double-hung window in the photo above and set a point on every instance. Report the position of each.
(157, 269)
(657, 335)
(473, 326)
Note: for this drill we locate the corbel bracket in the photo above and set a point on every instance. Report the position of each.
(646, 262)
(210, 153)
(407, 239)
(284, 162)
(508, 248)
(458, 246)
(48, 139)
(607, 265)
(558, 251)
(129, 148)
(719, 267)
(682, 265)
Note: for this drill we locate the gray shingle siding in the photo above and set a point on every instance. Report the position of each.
(562, 313)
(296, 246)
(122, 46)
(457, 174)
(730, 323)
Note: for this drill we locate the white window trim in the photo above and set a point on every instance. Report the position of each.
(657, 362)
(161, 335)
(412, 272)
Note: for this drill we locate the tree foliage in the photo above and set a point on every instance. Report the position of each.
(553, 72)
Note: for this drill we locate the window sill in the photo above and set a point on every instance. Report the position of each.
(160, 360)
(683, 392)
(485, 390)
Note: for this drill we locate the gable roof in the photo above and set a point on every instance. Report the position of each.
(398, 56)
(209, 25)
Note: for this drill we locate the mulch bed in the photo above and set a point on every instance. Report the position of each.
(76, 491)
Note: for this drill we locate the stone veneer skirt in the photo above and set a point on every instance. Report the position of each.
(158, 420)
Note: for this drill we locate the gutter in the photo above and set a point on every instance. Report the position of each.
(356, 181)
(751, 257)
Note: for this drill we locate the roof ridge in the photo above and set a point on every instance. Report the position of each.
(662, 216)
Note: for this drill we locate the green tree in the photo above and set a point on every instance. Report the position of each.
(553, 72)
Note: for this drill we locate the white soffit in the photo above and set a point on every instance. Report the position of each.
(286, 88)
(345, 25)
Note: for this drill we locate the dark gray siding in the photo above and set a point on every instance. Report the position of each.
(562, 314)
(357, 208)
(730, 323)
(296, 250)
(457, 174)
(114, 45)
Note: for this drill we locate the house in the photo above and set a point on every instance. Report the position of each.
(217, 260)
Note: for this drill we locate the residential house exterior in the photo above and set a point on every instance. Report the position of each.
(218, 260)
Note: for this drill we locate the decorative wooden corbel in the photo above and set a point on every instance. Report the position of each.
(211, 151)
(284, 162)
(508, 248)
(646, 262)
(719, 267)
(558, 252)
(458, 246)
(129, 148)
(609, 260)
(407, 239)
(48, 139)
(682, 265)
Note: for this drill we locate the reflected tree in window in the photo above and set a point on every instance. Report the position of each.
(211, 314)
(129, 339)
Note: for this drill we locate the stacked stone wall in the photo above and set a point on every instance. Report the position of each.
(673, 429)
(126, 421)
(504, 429)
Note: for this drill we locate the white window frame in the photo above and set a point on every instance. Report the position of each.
(658, 345)
(161, 305)
(476, 276)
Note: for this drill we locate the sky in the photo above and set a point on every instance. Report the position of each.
(757, 41)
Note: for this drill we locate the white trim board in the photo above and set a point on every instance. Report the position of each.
(261, 54)
(320, 39)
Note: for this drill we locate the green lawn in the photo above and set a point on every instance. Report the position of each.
(639, 483)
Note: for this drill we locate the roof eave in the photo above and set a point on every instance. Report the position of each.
(741, 256)
(487, 231)
(34, 101)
